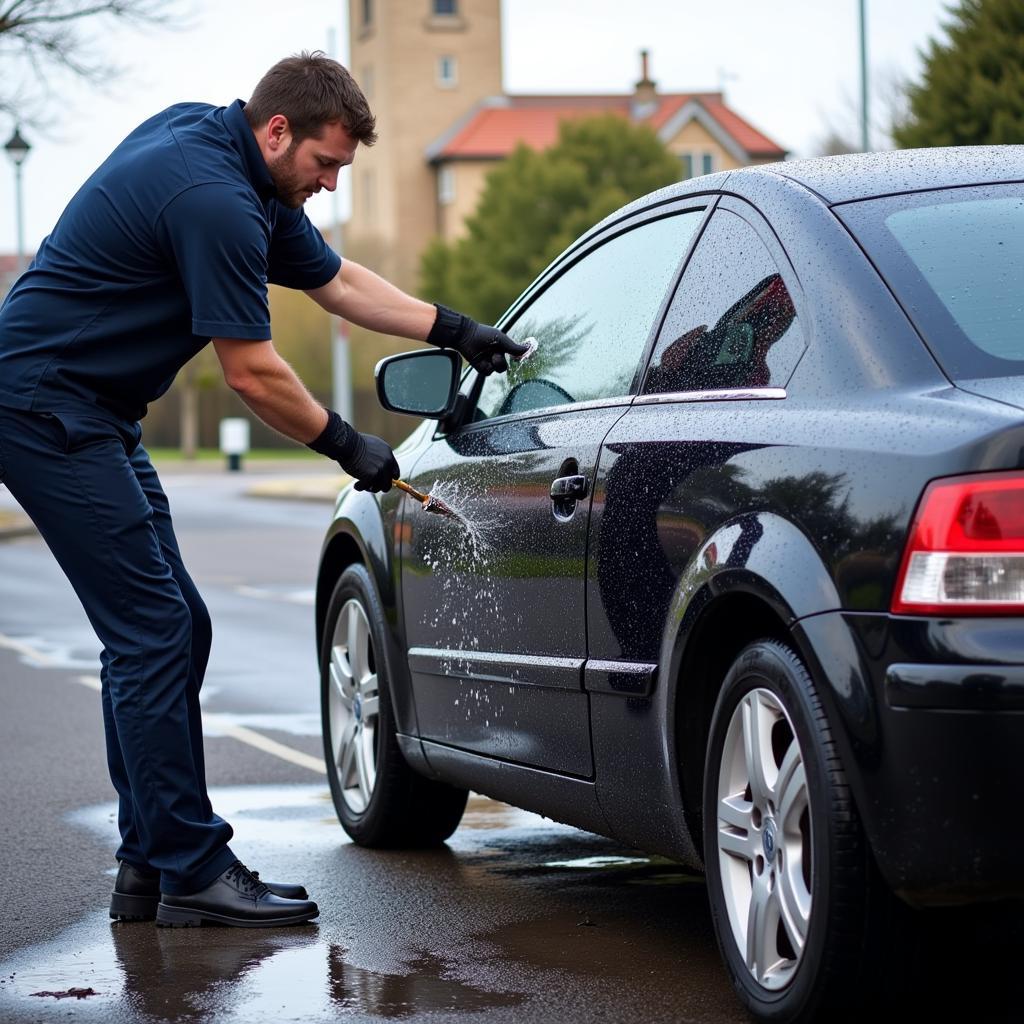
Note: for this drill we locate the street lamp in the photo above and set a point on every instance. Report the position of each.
(17, 149)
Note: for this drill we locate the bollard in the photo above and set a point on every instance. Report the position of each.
(234, 441)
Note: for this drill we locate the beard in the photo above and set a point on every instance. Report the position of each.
(290, 192)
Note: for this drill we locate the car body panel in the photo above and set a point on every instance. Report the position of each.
(497, 637)
(711, 521)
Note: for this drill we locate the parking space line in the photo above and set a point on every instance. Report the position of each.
(225, 727)
(223, 724)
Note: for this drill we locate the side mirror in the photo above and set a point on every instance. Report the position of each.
(421, 383)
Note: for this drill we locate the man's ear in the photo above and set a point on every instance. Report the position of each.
(277, 133)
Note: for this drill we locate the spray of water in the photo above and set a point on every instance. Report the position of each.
(458, 554)
(477, 519)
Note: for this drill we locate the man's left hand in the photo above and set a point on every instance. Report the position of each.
(485, 348)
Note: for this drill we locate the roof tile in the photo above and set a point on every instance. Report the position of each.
(494, 131)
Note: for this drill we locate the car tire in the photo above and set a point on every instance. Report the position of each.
(793, 891)
(380, 800)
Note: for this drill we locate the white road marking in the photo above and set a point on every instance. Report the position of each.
(304, 597)
(37, 657)
(222, 724)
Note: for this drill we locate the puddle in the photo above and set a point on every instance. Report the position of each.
(224, 974)
(484, 813)
(597, 862)
(516, 909)
(260, 815)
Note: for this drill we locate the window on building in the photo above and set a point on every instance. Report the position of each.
(686, 159)
(707, 163)
(443, 7)
(367, 12)
(446, 184)
(447, 72)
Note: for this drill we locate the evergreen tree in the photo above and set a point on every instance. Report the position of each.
(535, 203)
(972, 92)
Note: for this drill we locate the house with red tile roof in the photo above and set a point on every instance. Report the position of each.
(431, 70)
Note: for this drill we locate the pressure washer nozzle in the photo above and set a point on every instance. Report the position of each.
(427, 501)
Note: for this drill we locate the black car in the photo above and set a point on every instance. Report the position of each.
(744, 577)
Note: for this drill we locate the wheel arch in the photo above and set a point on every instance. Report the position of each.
(701, 667)
(752, 579)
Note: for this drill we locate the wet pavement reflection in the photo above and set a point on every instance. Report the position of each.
(517, 919)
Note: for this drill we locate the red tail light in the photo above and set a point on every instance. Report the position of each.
(965, 555)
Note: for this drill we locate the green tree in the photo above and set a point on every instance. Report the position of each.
(972, 92)
(535, 203)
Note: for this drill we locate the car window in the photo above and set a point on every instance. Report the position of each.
(955, 259)
(732, 323)
(593, 322)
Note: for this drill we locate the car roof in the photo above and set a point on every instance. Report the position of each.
(843, 179)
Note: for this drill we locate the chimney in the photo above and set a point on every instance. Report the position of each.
(645, 96)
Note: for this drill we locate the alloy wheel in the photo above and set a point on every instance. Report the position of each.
(354, 706)
(764, 838)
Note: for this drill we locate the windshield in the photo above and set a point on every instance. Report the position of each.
(955, 260)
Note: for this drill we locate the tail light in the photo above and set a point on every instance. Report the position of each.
(965, 555)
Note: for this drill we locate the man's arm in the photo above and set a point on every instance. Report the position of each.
(272, 389)
(367, 300)
(359, 295)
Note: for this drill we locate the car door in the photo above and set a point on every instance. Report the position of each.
(494, 617)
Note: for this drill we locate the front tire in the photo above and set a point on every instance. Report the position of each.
(379, 799)
(787, 867)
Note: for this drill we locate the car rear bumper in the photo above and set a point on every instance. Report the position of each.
(929, 718)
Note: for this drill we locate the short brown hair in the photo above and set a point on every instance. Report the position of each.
(312, 90)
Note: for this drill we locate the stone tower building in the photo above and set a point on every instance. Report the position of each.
(422, 64)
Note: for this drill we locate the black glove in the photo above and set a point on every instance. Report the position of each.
(366, 457)
(484, 347)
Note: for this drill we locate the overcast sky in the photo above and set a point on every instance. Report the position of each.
(789, 66)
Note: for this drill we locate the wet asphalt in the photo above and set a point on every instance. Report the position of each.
(516, 919)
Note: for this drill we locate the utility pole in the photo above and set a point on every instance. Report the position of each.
(341, 365)
(865, 141)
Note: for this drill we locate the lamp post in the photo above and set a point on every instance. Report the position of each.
(17, 149)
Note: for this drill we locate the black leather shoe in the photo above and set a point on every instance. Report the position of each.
(135, 896)
(236, 898)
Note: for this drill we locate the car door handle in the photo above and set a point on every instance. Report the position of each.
(569, 488)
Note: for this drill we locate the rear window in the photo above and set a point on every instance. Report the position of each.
(955, 259)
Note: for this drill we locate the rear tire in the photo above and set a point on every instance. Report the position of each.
(792, 888)
(379, 799)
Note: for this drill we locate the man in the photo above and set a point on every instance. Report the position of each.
(168, 246)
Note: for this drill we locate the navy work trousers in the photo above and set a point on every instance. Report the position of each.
(91, 490)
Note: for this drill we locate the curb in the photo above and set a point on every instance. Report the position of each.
(311, 488)
(14, 524)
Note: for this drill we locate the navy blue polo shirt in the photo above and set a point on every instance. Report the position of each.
(170, 243)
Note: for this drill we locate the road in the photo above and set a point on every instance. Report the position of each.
(517, 919)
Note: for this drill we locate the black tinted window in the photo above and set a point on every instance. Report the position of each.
(593, 322)
(732, 323)
(956, 261)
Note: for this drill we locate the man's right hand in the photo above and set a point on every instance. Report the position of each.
(366, 457)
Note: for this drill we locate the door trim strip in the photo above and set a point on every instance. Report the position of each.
(623, 678)
(723, 395)
(498, 667)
